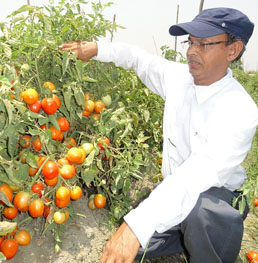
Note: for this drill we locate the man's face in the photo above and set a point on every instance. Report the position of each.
(208, 63)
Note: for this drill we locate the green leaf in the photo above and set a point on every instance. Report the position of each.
(79, 96)
(24, 8)
(53, 120)
(88, 79)
(20, 175)
(7, 227)
(31, 160)
(79, 68)
(126, 186)
(88, 175)
(65, 62)
(12, 141)
(2, 257)
(4, 198)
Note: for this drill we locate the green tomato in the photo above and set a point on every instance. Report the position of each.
(107, 100)
(87, 147)
(25, 67)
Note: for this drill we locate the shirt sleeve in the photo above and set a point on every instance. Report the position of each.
(212, 164)
(142, 62)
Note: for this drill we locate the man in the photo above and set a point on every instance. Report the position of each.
(209, 123)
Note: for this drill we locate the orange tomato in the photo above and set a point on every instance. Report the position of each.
(76, 193)
(86, 113)
(251, 255)
(89, 105)
(51, 86)
(99, 106)
(96, 116)
(74, 155)
(62, 203)
(63, 123)
(103, 141)
(30, 96)
(36, 208)
(23, 237)
(83, 156)
(32, 171)
(55, 133)
(51, 182)
(67, 171)
(41, 160)
(63, 161)
(99, 200)
(36, 144)
(63, 193)
(5, 188)
(59, 217)
(9, 248)
(70, 142)
(57, 100)
(10, 212)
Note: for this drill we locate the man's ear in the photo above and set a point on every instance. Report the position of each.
(234, 50)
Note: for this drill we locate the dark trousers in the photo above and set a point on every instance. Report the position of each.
(212, 232)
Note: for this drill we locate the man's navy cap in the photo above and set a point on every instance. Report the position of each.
(215, 21)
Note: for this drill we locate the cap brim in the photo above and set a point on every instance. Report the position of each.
(195, 28)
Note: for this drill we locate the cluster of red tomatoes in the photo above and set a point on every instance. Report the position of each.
(52, 189)
(252, 256)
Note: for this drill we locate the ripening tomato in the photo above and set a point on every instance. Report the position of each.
(89, 105)
(50, 169)
(70, 142)
(59, 217)
(41, 160)
(99, 200)
(88, 96)
(43, 127)
(76, 193)
(103, 141)
(32, 171)
(5, 188)
(67, 214)
(55, 133)
(49, 106)
(255, 202)
(51, 182)
(86, 113)
(10, 212)
(99, 106)
(254, 261)
(74, 155)
(87, 147)
(30, 96)
(62, 193)
(24, 141)
(63, 123)
(63, 161)
(48, 84)
(83, 156)
(96, 116)
(62, 203)
(22, 200)
(57, 100)
(9, 248)
(38, 188)
(252, 254)
(46, 211)
(36, 208)
(36, 144)
(23, 237)
(91, 204)
(35, 107)
(67, 171)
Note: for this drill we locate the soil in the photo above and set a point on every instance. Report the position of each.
(83, 239)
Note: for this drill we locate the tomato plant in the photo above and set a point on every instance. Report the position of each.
(22, 237)
(9, 248)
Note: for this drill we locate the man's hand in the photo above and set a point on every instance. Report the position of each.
(82, 49)
(122, 247)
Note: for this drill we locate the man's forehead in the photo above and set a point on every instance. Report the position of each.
(220, 36)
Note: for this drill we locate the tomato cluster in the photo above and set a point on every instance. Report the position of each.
(252, 256)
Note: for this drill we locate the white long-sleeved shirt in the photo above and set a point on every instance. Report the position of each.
(207, 133)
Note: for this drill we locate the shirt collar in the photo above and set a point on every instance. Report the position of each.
(205, 92)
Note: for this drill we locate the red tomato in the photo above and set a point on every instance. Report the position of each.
(21, 201)
(62, 203)
(50, 169)
(63, 123)
(35, 107)
(32, 171)
(103, 141)
(57, 100)
(36, 144)
(38, 188)
(255, 202)
(55, 133)
(49, 105)
(10, 212)
(99, 106)
(99, 200)
(70, 142)
(36, 208)
(23, 238)
(252, 254)
(5, 188)
(9, 248)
